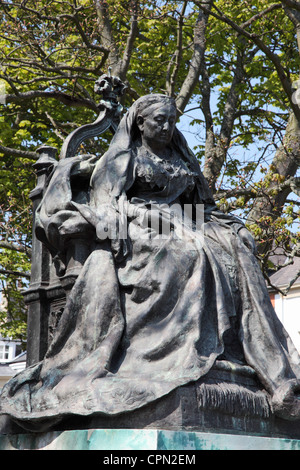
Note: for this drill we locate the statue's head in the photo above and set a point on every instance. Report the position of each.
(154, 120)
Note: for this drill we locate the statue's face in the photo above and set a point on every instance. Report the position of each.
(157, 125)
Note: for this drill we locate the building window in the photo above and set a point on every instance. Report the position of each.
(4, 352)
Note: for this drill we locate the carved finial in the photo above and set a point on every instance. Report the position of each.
(110, 87)
(110, 109)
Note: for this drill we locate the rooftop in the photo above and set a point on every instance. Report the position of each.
(9, 369)
(285, 275)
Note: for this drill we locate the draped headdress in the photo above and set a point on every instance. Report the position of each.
(114, 175)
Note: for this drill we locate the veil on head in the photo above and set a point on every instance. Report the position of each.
(113, 173)
(128, 131)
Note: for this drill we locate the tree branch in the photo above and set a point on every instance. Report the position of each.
(107, 35)
(292, 183)
(130, 41)
(262, 46)
(14, 273)
(171, 77)
(261, 14)
(56, 127)
(61, 18)
(84, 37)
(194, 71)
(63, 97)
(294, 16)
(19, 153)
(15, 247)
(59, 67)
(206, 109)
(214, 165)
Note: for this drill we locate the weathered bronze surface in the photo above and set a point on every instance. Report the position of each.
(167, 312)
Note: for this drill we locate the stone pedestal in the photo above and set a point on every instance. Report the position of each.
(227, 401)
(143, 439)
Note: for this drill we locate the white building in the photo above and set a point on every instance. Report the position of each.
(12, 359)
(288, 307)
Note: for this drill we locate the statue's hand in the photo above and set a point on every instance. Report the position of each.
(247, 239)
(104, 220)
(85, 166)
(286, 400)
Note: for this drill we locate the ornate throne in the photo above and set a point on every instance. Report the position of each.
(49, 287)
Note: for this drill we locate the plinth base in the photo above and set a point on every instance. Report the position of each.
(227, 401)
(137, 439)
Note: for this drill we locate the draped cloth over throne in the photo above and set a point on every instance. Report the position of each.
(148, 313)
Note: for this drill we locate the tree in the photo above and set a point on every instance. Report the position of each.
(233, 64)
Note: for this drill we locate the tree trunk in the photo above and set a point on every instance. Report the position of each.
(284, 166)
(194, 71)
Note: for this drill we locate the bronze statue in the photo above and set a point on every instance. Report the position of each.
(152, 309)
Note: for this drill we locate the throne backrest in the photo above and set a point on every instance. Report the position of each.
(48, 290)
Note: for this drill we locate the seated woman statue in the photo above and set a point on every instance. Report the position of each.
(153, 308)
